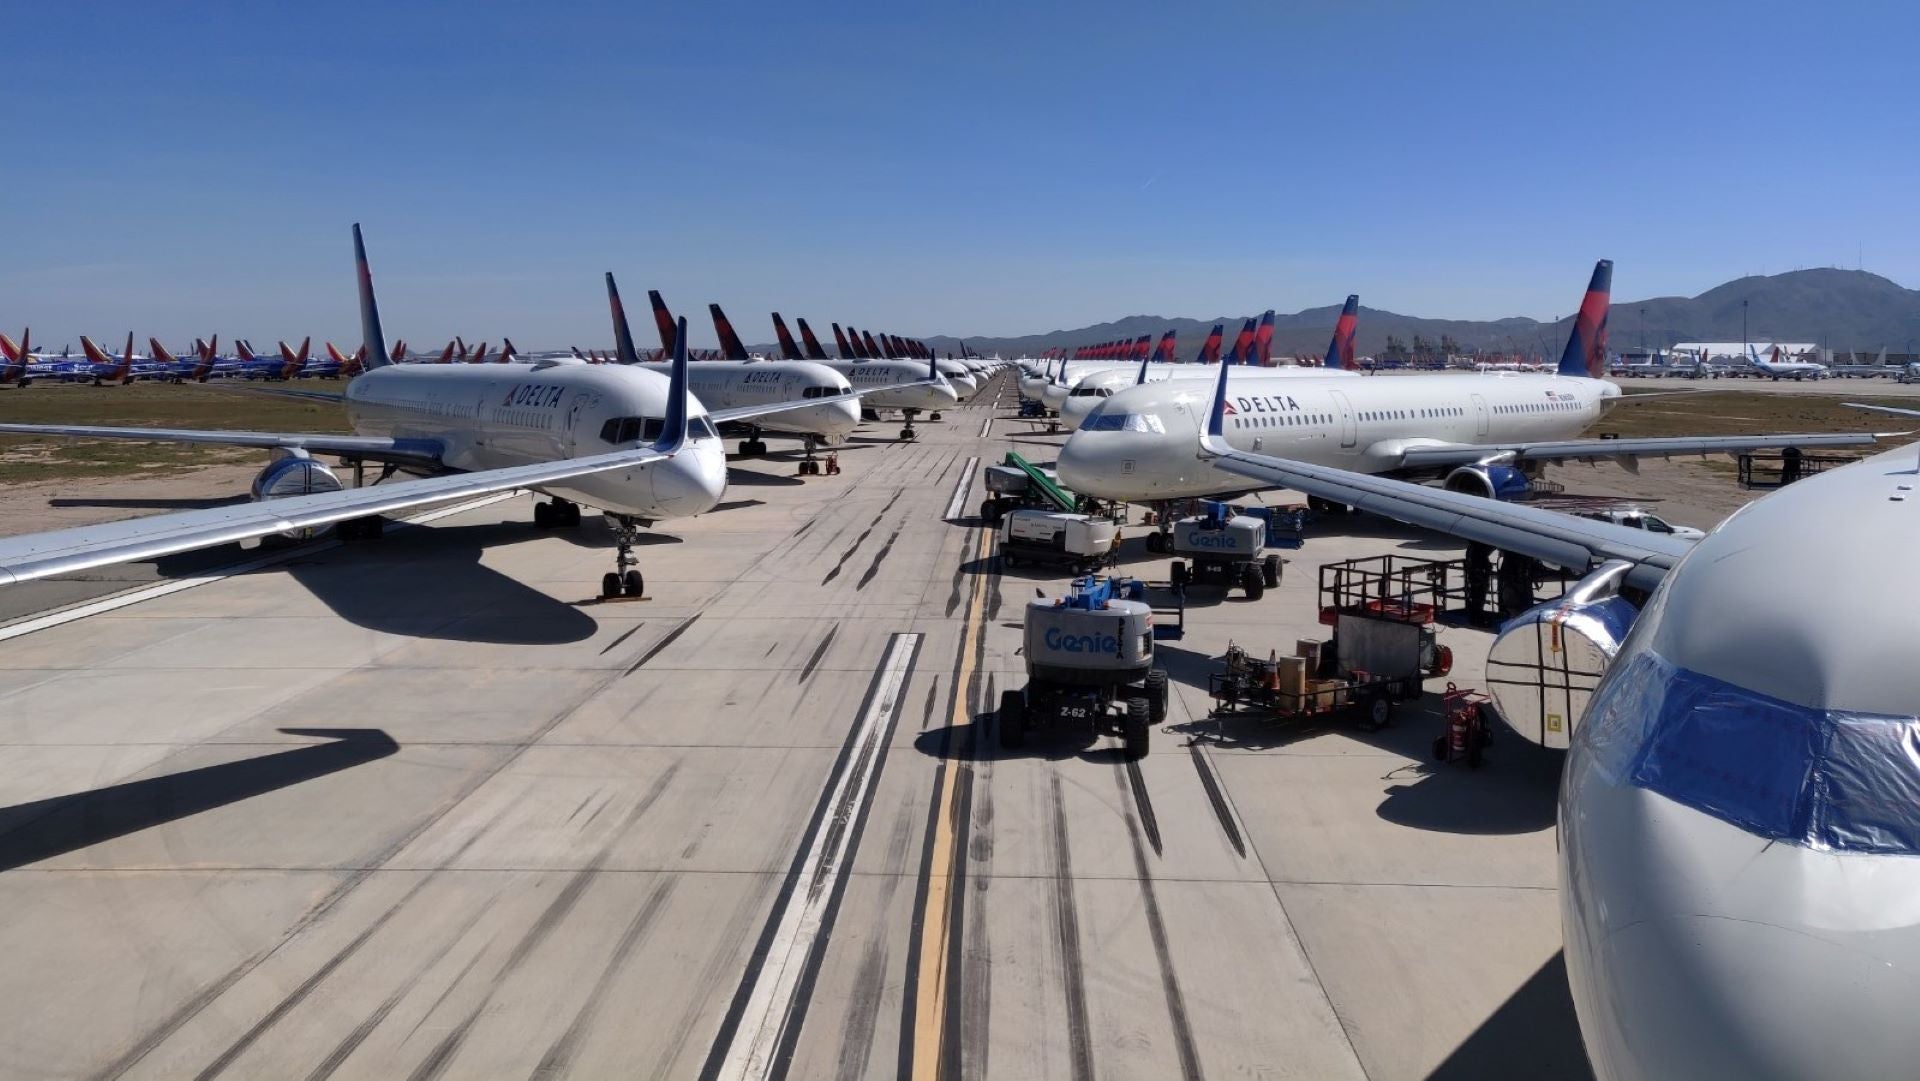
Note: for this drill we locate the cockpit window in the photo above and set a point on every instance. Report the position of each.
(621, 431)
(1100, 421)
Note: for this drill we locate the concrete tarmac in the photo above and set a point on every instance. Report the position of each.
(424, 808)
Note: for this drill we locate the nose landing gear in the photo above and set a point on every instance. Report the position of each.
(625, 579)
(907, 434)
(810, 465)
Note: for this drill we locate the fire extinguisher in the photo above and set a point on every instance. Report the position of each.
(1458, 731)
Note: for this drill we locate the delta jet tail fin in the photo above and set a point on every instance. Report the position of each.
(479, 354)
(1340, 350)
(1586, 353)
(1263, 342)
(1161, 355)
(622, 332)
(789, 349)
(873, 351)
(730, 345)
(1210, 349)
(370, 332)
(399, 351)
(446, 355)
(840, 343)
(814, 352)
(1243, 345)
(662, 321)
(509, 352)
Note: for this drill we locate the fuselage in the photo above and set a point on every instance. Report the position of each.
(891, 378)
(498, 415)
(1095, 387)
(735, 384)
(1143, 443)
(1739, 833)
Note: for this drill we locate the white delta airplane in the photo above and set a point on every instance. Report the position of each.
(1484, 433)
(634, 443)
(1739, 818)
(729, 384)
(1093, 388)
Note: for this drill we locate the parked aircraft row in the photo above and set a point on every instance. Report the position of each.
(628, 439)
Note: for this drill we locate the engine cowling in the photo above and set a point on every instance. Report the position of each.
(295, 473)
(1545, 664)
(1502, 482)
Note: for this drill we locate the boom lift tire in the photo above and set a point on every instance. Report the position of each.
(1135, 730)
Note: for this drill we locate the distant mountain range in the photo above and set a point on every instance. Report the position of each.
(1847, 309)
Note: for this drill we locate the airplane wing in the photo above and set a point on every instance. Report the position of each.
(372, 448)
(64, 551)
(1560, 450)
(1562, 540)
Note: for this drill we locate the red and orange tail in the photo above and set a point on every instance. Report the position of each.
(662, 321)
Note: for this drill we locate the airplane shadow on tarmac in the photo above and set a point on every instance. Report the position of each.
(390, 584)
(43, 829)
(1534, 1034)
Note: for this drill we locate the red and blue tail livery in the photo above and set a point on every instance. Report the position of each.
(1163, 354)
(1210, 349)
(1340, 350)
(1586, 353)
(1263, 342)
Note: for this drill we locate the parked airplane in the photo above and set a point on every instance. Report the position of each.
(629, 441)
(121, 370)
(198, 368)
(1778, 369)
(1738, 827)
(735, 384)
(1095, 387)
(1483, 434)
(883, 384)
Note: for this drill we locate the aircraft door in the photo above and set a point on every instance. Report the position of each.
(1479, 415)
(1349, 431)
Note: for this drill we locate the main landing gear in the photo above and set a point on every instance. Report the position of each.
(753, 446)
(935, 415)
(556, 514)
(625, 580)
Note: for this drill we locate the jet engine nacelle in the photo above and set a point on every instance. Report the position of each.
(1545, 664)
(291, 473)
(1502, 482)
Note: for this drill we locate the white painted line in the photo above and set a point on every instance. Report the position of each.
(769, 1007)
(985, 427)
(961, 489)
(215, 574)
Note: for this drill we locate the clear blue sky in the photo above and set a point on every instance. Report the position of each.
(975, 168)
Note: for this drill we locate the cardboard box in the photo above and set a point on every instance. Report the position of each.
(1327, 693)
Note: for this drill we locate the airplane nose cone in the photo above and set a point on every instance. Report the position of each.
(692, 481)
(1697, 950)
(1086, 465)
(1703, 996)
